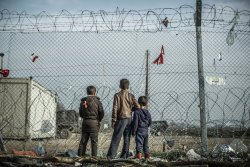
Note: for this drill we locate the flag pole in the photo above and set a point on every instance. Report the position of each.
(1, 65)
(147, 73)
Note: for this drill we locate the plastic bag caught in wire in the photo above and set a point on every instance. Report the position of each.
(231, 34)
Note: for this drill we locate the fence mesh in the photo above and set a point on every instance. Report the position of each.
(40, 99)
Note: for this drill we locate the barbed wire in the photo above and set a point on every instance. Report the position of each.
(149, 20)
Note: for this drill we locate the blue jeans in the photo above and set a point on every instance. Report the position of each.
(122, 128)
(141, 140)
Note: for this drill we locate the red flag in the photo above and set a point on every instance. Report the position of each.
(159, 59)
(5, 72)
(34, 57)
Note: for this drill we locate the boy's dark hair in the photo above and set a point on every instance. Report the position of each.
(124, 84)
(143, 100)
(91, 90)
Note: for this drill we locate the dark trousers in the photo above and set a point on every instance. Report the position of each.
(141, 140)
(122, 128)
(84, 141)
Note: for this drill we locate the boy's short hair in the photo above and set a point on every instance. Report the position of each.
(143, 100)
(91, 90)
(124, 84)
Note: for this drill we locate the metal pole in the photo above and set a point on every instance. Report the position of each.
(146, 84)
(147, 77)
(2, 146)
(201, 79)
(1, 54)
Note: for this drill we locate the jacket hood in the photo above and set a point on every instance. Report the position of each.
(144, 113)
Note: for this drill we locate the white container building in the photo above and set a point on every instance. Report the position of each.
(27, 109)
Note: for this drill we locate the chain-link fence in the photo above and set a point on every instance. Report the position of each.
(40, 99)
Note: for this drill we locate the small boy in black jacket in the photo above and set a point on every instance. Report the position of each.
(91, 111)
(141, 121)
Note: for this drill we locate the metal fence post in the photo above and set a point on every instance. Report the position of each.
(1, 57)
(201, 79)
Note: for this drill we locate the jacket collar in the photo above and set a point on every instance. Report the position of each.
(124, 90)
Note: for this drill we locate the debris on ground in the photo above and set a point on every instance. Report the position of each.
(173, 158)
(238, 146)
(131, 154)
(223, 150)
(69, 153)
(39, 150)
(21, 161)
(28, 153)
(192, 155)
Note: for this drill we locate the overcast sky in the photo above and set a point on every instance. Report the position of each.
(54, 6)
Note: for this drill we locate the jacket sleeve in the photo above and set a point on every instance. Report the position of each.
(100, 111)
(135, 103)
(150, 120)
(134, 123)
(114, 110)
(80, 110)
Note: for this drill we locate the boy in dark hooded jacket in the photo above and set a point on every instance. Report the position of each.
(140, 123)
(91, 111)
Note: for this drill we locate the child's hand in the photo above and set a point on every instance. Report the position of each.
(113, 125)
(99, 125)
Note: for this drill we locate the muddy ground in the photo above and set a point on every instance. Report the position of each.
(156, 143)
